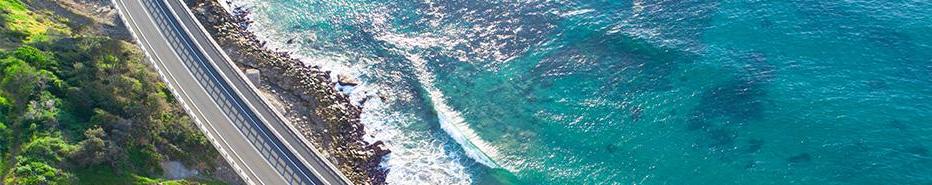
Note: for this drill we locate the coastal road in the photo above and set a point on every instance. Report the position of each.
(257, 141)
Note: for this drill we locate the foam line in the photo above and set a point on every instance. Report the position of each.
(451, 121)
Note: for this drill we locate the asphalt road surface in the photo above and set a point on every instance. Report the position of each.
(249, 134)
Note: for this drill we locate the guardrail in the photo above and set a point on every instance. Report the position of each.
(185, 105)
(265, 101)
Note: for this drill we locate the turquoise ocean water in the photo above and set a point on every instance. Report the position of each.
(629, 92)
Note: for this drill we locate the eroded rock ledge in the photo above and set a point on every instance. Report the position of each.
(324, 115)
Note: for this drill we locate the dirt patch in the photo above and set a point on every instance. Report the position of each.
(89, 17)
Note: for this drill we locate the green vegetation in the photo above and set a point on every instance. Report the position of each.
(84, 109)
(22, 25)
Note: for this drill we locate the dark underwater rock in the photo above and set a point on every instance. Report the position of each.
(801, 158)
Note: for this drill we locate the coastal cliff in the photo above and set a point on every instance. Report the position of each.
(303, 93)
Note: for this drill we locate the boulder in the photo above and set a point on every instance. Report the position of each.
(347, 80)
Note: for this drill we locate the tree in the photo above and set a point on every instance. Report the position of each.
(5, 107)
(51, 149)
(43, 111)
(18, 80)
(36, 57)
(38, 173)
(97, 149)
(6, 135)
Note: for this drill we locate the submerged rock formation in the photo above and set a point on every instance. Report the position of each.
(331, 121)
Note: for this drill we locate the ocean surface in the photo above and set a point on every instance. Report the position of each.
(628, 92)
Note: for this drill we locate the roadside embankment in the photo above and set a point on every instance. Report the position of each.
(79, 104)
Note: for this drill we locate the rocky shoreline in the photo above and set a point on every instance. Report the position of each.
(303, 93)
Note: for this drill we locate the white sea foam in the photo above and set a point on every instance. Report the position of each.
(415, 159)
(451, 121)
(576, 12)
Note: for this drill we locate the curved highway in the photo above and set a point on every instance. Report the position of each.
(251, 136)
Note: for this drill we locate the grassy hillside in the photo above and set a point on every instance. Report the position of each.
(85, 109)
(22, 25)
